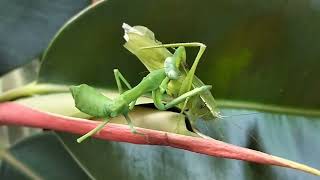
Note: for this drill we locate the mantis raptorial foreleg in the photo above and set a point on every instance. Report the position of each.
(183, 55)
(180, 54)
(158, 96)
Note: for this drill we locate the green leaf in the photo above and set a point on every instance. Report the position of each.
(251, 50)
(44, 155)
(26, 28)
(123, 160)
(109, 160)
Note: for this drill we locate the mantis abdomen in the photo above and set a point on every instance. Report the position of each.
(90, 101)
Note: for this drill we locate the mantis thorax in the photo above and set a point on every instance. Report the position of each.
(117, 107)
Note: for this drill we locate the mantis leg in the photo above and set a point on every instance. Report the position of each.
(133, 130)
(184, 105)
(93, 131)
(119, 77)
(158, 94)
(187, 82)
(182, 53)
(157, 97)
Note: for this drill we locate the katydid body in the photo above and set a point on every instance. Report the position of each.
(92, 102)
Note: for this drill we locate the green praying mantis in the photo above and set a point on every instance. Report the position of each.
(203, 106)
(153, 58)
(89, 100)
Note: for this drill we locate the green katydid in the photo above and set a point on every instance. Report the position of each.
(92, 102)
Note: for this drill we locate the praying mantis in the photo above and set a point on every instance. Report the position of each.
(89, 100)
(204, 105)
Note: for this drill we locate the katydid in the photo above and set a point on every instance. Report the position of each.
(90, 101)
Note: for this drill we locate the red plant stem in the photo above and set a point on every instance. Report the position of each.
(15, 114)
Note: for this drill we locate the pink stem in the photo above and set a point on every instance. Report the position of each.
(15, 114)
